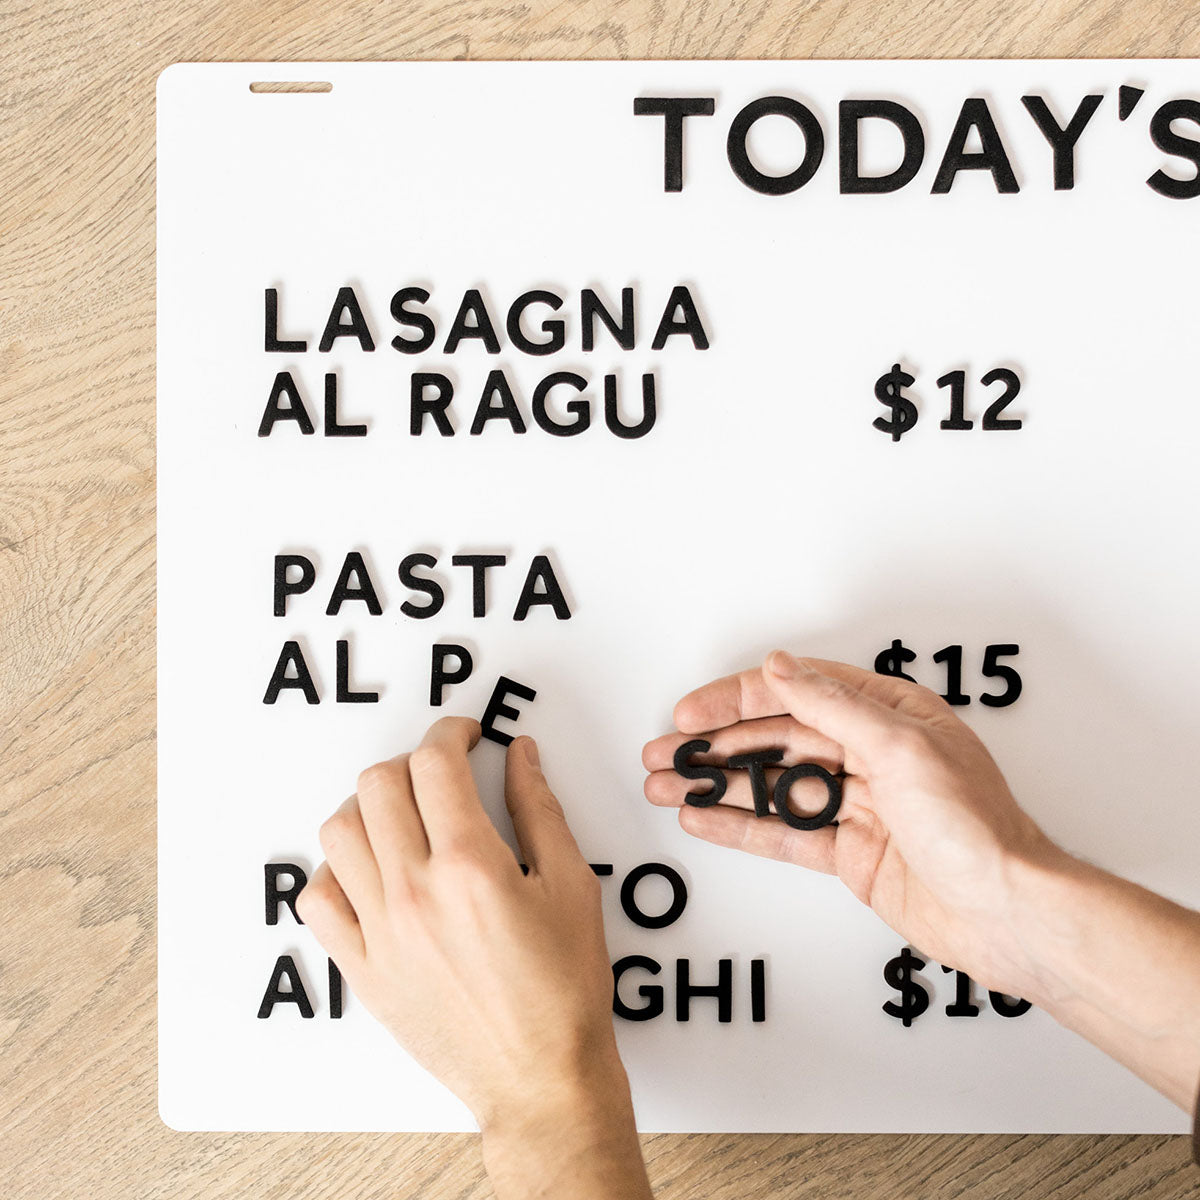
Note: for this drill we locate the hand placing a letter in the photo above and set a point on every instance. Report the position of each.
(497, 982)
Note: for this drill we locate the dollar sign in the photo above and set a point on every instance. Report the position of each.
(914, 999)
(888, 391)
(889, 662)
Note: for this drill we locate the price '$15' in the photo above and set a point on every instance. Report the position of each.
(894, 658)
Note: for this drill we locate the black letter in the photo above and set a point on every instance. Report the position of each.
(754, 762)
(439, 677)
(417, 320)
(758, 989)
(1005, 1007)
(556, 329)
(436, 407)
(479, 564)
(1181, 147)
(581, 410)
(283, 589)
(333, 428)
(428, 587)
(694, 771)
(688, 323)
(271, 342)
(541, 569)
(497, 708)
(335, 991)
(363, 589)
(591, 307)
(285, 385)
(285, 968)
(652, 994)
(344, 694)
(673, 911)
(833, 785)
(346, 302)
(992, 157)
(505, 410)
(275, 895)
(612, 412)
(1062, 141)
(722, 990)
(674, 109)
(291, 655)
(739, 157)
(472, 305)
(850, 113)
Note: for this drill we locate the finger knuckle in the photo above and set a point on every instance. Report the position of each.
(750, 837)
(319, 894)
(463, 863)
(311, 901)
(912, 743)
(429, 760)
(927, 698)
(406, 892)
(334, 831)
(782, 843)
(379, 779)
(837, 689)
(547, 806)
(454, 725)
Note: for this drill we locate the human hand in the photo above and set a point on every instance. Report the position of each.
(498, 983)
(928, 835)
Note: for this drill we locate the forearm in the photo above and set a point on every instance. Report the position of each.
(580, 1144)
(1117, 964)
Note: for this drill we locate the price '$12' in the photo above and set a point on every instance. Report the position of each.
(901, 974)
(902, 412)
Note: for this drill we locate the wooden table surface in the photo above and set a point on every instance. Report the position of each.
(78, 1110)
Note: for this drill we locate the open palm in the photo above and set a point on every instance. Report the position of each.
(927, 831)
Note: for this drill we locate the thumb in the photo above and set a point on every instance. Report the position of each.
(538, 819)
(865, 728)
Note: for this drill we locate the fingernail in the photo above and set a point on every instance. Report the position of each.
(531, 753)
(781, 663)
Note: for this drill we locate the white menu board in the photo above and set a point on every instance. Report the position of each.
(566, 387)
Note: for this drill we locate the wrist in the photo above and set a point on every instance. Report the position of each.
(1046, 888)
(570, 1136)
(568, 1093)
(1115, 963)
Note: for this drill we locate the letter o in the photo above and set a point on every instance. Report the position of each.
(739, 157)
(678, 896)
(807, 771)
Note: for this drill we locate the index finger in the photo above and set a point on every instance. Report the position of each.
(746, 697)
(444, 787)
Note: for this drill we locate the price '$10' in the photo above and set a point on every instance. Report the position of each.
(901, 973)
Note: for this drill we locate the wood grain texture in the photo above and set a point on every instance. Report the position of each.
(78, 1114)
